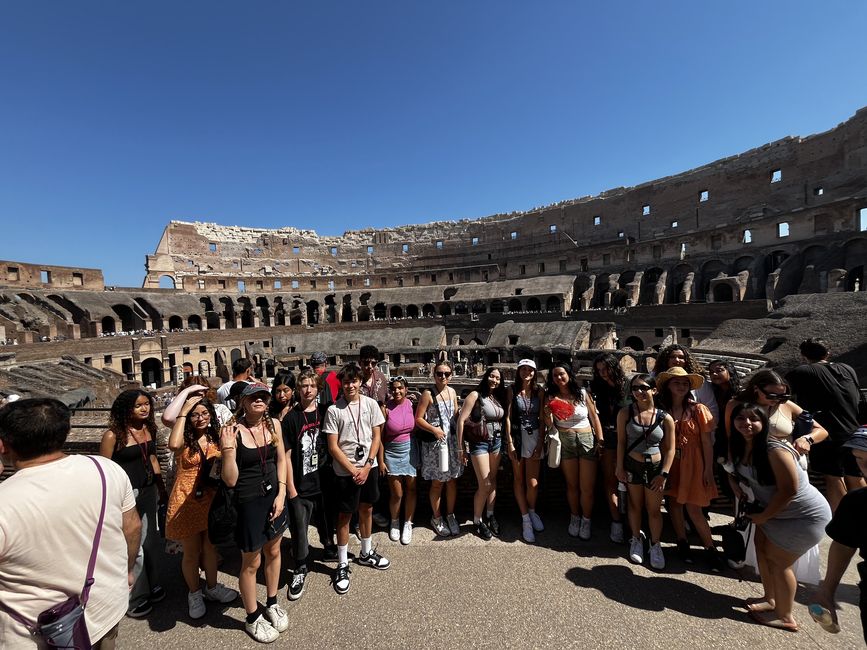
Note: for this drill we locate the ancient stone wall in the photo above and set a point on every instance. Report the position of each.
(45, 276)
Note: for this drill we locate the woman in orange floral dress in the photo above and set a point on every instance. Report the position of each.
(691, 484)
(195, 436)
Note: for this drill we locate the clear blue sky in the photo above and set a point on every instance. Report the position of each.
(116, 117)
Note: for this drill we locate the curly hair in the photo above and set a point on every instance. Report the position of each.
(191, 438)
(734, 378)
(121, 412)
(552, 390)
(692, 366)
(615, 372)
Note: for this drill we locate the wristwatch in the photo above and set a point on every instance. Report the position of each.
(809, 440)
(370, 461)
(664, 475)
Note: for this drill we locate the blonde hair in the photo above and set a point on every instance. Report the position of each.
(269, 422)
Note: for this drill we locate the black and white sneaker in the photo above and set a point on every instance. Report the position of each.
(494, 526)
(296, 587)
(374, 560)
(341, 579)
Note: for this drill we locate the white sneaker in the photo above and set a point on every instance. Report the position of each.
(277, 617)
(574, 525)
(380, 520)
(616, 534)
(657, 558)
(527, 532)
(196, 603)
(220, 594)
(262, 630)
(536, 520)
(636, 550)
(394, 531)
(454, 528)
(406, 534)
(584, 529)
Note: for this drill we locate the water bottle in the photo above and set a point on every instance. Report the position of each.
(443, 448)
(621, 497)
(823, 617)
(554, 446)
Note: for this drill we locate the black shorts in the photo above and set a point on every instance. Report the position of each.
(349, 494)
(831, 459)
(641, 473)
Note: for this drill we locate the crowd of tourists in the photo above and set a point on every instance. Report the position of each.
(327, 449)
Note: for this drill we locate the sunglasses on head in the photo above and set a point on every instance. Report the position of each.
(443, 373)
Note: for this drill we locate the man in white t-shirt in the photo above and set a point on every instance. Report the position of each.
(242, 370)
(353, 425)
(48, 518)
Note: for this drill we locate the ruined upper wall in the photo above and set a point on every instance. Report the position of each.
(43, 276)
(794, 180)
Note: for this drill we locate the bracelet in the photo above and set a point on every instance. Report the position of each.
(182, 415)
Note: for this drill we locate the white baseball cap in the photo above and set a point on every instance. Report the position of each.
(527, 362)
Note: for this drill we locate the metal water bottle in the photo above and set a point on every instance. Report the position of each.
(621, 497)
(444, 454)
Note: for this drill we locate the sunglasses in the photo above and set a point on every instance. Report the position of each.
(641, 388)
(440, 373)
(783, 397)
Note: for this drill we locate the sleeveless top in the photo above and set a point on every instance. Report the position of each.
(525, 412)
(136, 462)
(400, 422)
(256, 467)
(579, 418)
(493, 412)
(652, 434)
(780, 425)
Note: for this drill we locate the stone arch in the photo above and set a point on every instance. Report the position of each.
(855, 279)
(634, 342)
(395, 312)
(264, 311)
(461, 308)
(601, 289)
(379, 311)
(176, 322)
(681, 278)
(579, 292)
(722, 292)
(854, 252)
(620, 296)
(429, 311)
(330, 308)
(449, 292)
(108, 325)
(194, 322)
(412, 311)
(534, 304)
(297, 313)
(814, 255)
(228, 311)
(167, 282)
(445, 309)
(497, 306)
(151, 311)
(279, 311)
(246, 311)
(478, 307)
(313, 312)
(648, 294)
(515, 305)
(235, 354)
(774, 260)
(743, 263)
(710, 270)
(129, 319)
(346, 310)
(363, 313)
(212, 319)
(152, 372)
(552, 304)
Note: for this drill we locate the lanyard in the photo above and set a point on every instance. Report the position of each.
(355, 423)
(143, 448)
(261, 452)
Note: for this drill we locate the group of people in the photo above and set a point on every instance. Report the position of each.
(313, 447)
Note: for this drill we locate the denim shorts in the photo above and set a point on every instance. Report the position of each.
(491, 446)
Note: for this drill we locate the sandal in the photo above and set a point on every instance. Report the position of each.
(758, 605)
(776, 623)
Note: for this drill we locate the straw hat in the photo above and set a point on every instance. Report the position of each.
(695, 381)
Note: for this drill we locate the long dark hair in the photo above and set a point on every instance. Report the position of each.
(484, 389)
(734, 378)
(519, 385)
(598, 385)
(647, 379)
(666, 401)
(692, 366)
(121, 410)
(282, 378)
(191, 437)
(552, 390)
(765, 377)
(738, 444)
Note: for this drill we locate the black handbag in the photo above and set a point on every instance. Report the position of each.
(475, 426)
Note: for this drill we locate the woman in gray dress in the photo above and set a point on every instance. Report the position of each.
(793, 513)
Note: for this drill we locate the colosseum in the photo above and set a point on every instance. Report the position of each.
(742, 257)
